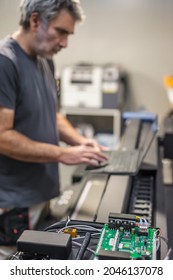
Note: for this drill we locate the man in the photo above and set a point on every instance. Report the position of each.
(30, 126)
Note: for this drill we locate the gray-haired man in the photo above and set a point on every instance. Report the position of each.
(30, 126)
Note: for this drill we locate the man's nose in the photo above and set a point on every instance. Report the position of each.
(64, 42)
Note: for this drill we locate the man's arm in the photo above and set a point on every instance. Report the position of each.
(20, 147)
(17, 146)
(68, 133)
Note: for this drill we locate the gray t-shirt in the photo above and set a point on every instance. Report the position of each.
(27, 86)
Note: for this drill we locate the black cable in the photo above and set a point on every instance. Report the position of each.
(83, 247)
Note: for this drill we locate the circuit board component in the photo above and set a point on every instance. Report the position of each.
(128, 238)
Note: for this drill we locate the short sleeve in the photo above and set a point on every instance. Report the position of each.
(8, 83)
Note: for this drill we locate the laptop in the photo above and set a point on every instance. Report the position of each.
(124, 161)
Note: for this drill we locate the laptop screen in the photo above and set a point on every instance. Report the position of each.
(149, 133)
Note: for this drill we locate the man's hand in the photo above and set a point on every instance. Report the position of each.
(94, 143)
(87, 153)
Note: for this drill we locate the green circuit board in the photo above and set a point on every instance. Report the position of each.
(131, 243)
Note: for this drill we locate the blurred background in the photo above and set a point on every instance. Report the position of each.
(135, 33)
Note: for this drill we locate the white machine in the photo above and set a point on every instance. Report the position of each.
(92, 86)
(81, 86)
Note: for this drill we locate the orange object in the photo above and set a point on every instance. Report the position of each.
(71, 231)
(168, 81)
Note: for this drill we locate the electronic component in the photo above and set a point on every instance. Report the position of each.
(56, 246)
(71, 231)
(128, 236)
(113, 255)
(117, 220)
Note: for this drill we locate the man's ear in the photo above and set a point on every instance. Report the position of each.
(35, 21)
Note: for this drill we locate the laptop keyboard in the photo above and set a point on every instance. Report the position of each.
(122, 161)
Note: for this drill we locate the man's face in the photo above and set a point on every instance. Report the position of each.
(51, 38)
